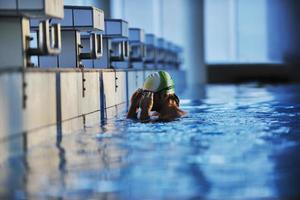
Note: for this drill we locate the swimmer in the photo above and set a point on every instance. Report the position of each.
(156, 100)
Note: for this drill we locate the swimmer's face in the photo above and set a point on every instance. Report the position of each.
(156, 104)
(158, 101)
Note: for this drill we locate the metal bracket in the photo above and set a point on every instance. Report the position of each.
(120, 50)
(96, 49)
(116, 81)
(24, 86)
(126, 49)
(137, 52)
(83, 80)
(115, 51)
(47, 44)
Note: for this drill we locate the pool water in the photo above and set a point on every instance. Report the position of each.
(237, 142)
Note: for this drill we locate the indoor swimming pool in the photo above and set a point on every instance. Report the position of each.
(237, 142)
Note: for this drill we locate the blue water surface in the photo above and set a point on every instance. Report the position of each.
(237, 142)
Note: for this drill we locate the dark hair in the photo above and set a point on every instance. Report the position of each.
(173, 97)
(161, 98)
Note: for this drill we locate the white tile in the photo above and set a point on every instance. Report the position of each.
(42, 136)
(92, 119)
(91, 99)
(10, 104)
(132, 83)
(121, 87)
(72, 126)
(109, 84)
(40, 108)
(111, 112)
(121, 110)
(71, 95)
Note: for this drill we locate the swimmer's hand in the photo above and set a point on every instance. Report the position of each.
(146, 105)
(135, 102)
(136, 98)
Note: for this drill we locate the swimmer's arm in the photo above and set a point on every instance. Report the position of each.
(146, 105)
(145, 116)
(132, 113)
(135, 100)
(171, 113)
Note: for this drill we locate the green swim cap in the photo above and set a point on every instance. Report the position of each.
(159, 82)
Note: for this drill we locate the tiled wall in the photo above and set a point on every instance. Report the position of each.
(62, 102)
(67, 100)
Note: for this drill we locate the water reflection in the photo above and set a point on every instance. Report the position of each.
(287, 160)
(238, 142)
